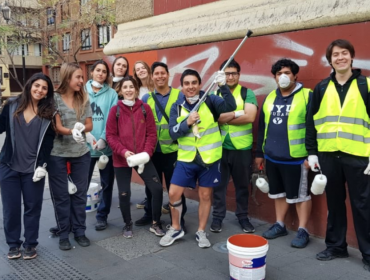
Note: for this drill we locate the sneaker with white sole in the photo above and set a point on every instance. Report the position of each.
(127, 230)
(157, 229)
(201, 237)
(170, 237)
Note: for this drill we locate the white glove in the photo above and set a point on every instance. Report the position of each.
(367, 170)
(77, 136)
(313, 162)
(90, 139)
(79, 126)
(141, 168)
(239, 113)
(40, 173)
(220, 78)
(100, 145)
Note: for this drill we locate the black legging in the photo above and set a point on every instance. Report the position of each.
(151, 180)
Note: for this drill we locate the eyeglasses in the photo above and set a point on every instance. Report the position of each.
(234, 74)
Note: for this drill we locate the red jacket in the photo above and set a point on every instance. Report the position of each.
(136, 133)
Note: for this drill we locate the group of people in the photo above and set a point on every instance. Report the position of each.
(120, 116)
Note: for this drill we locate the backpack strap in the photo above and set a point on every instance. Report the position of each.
(244, 92)
(363, 87)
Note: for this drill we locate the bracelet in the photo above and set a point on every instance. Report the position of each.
(70, 132)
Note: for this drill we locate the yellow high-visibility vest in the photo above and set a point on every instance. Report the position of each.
(296, 125)
(209, 145)
(241, 135)
(343, 128)
(163, 133)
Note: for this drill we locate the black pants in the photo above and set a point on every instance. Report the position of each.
(152, 182)
(106, 181)
(69, 209)
(164, 164)
(340, 168)
(15, 186)
(236, 163)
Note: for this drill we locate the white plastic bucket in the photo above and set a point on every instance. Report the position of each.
(247, 257)
(92, 201)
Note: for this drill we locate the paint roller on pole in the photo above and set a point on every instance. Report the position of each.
(204, 97)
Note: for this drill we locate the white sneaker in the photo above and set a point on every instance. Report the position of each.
(201, 237)
(170, 237)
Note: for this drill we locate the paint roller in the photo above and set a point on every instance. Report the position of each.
(261, 182)
(319, 183)
(139, 160)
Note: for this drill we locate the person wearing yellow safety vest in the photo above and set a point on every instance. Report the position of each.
(199, 152)
(237, 142)
(338, 142)
(281, 141)
(165, 155)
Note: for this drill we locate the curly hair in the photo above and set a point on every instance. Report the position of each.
(284, 62)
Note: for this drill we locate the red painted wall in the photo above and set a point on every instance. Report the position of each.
(166, 6)
(307, 48)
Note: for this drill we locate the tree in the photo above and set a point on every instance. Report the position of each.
(73, 23)
(62, 28)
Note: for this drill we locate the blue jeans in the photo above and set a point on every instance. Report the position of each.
(14, 186)
(106, 181)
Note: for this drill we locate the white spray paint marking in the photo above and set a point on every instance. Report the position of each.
(362, 64)
(267, 83)
(300, 62)
(209, 55)
(285, 43)
(164, 60)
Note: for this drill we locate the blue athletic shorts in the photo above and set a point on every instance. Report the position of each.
(186, 174)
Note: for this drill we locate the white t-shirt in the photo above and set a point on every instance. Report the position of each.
(143, 91)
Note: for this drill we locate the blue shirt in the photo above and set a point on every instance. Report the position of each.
(163, 99)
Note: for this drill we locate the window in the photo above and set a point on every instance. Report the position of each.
(37, 50)
(104, 35)
(55, 75)
(18, 50)
(86, 39)
(84, 2)
(66, 42)
(50, 13)
(1, 77)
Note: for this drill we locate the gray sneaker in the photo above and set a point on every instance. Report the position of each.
(157, 229)
(201, 237)
(127, 230)
(170, 237)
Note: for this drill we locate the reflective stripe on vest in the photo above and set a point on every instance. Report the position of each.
(344, 127)
(163, 133)
(296, 124)
(241, 135)
(209, 145)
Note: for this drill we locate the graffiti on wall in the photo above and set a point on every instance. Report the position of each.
(307, 48)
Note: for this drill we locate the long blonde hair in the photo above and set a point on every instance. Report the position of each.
(80, 97)
(149, 81)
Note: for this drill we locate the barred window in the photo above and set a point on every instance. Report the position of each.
(104, 35)
(66, 42)
(50, 14)
(86, 39)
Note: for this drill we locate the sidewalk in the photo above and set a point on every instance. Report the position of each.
(111, 256)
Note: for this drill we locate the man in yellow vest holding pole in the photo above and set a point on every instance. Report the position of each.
(281, 141)
(165, 155)
(237, 142)
(338, 142)
(199, 151)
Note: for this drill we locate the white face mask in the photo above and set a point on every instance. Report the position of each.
(117, 79)
(129, 103)
(193, 100)
(96, 84)
(284, 81)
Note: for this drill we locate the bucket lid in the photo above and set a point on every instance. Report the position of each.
(247, 240)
